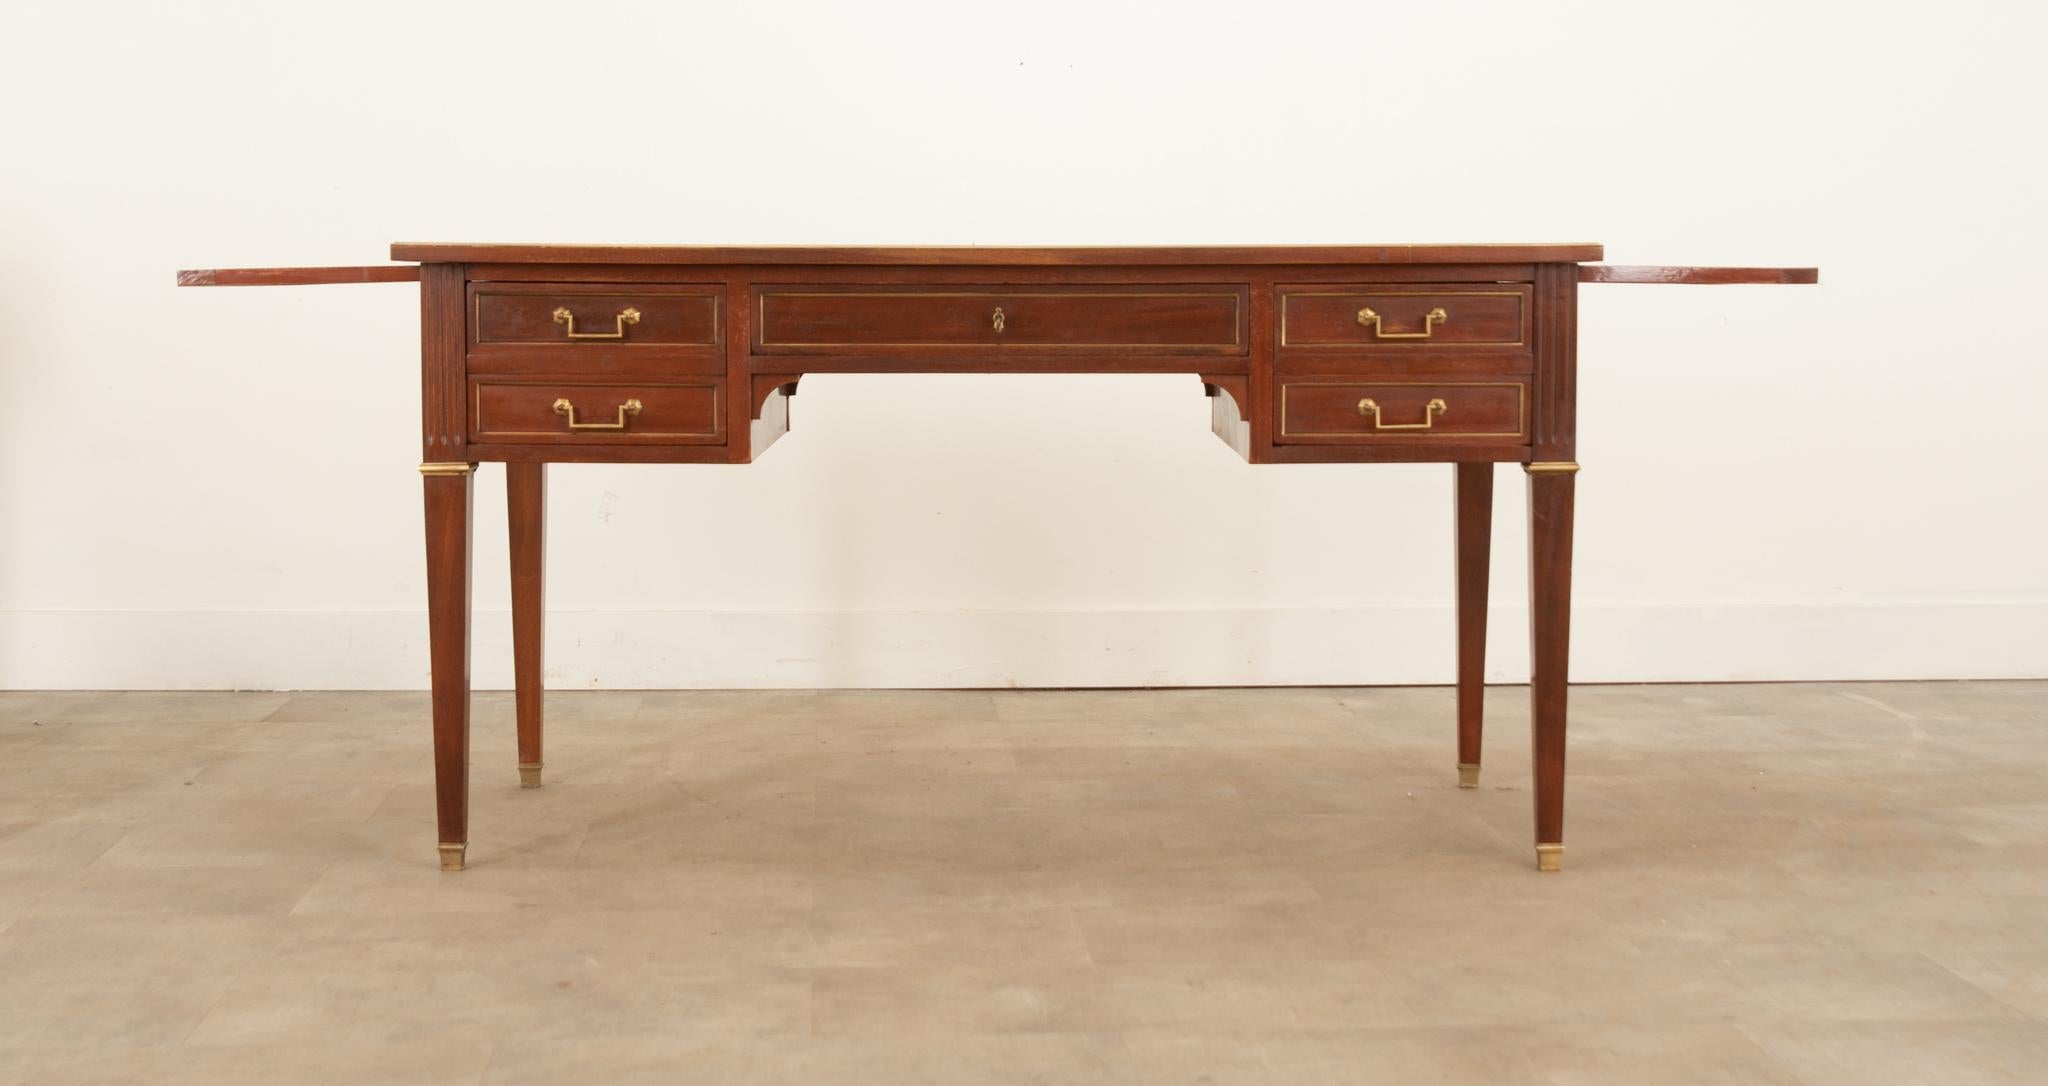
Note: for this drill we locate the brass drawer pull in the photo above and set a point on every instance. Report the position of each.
(998, 320)
(1429, 413)
(626, 316)
(1429, 322)
(568, 411)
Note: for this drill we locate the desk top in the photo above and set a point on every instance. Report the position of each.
(1208, 257)
(972, 256)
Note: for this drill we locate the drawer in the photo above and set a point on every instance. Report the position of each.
(1407, 317)
(1486, 412)
(1164, 319)
(577, 412)
(589, 316)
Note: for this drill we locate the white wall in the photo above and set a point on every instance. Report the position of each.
(216, 488)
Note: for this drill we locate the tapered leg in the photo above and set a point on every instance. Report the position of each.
(526, 500)
(1550, 621)
(1474, 545)
(448, 524)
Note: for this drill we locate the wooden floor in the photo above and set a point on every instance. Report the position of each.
(1763, 884)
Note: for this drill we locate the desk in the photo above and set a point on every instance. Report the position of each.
(535, 354)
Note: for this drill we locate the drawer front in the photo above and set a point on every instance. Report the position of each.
(1164, 319)
(593, 316)
(1418, 317)
(1485, 412)
(575, 412)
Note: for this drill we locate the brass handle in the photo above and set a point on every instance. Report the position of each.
(997, 320)
(626, 316)
(568, 411)
(1430, 411)
(1429, 322)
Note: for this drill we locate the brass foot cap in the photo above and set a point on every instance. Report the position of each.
(1550, 857)
(452, 856)
(1468, 774)
(529, 775)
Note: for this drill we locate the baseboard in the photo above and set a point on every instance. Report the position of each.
(696, 649)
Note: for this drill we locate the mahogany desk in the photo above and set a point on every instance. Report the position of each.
(532, 354)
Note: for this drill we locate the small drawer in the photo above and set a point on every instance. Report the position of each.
(1488, 412)
(590, 316)
(1418, 317)
(1164, 319)
(574, 412)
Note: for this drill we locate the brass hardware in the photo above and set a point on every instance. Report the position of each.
(1468, 774)
(446, 469)
(1430, 411)
(1550, 857)
(1562, 467)
(568, 410)
(626, 316)
(452, 856)
(998, 320)
(529, 774)
(1429, 322)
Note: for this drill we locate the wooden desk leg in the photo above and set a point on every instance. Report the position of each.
(1550, 619)
(526, 500)
(448, 522)
(1474, 546)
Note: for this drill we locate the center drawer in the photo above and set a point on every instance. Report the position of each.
(1159, 319)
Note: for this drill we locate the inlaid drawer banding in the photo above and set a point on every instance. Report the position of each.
(547, 411)
(1405, 318)
(589, 317)
(1437, 411)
